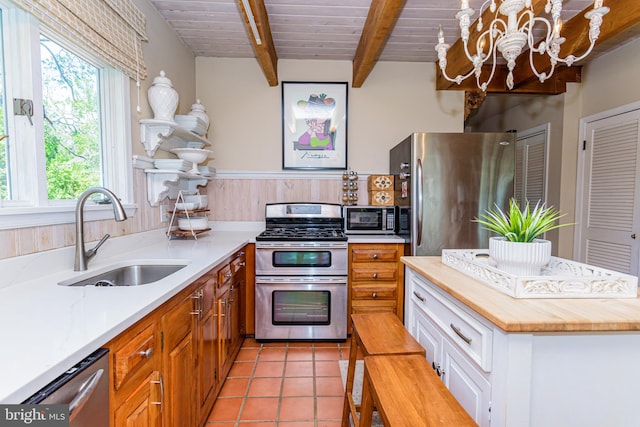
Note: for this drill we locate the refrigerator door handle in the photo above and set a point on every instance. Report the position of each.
(418, 180)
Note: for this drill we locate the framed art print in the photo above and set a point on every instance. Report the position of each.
(314, 125)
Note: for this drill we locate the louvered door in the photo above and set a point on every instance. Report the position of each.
(610, 216)
(531, 170)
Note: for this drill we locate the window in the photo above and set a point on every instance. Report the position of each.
(72, 139)
(67, 125)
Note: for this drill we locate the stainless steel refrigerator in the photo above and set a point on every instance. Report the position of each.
(444, 180)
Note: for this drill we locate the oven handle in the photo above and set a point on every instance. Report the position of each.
(268, 280)
(301, 245)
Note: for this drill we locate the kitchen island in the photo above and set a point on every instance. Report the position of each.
(526, 362)
(47, 328)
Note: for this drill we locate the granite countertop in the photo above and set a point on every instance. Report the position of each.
(47, 328)
(530, 315)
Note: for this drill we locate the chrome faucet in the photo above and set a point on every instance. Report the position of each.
(83, 256)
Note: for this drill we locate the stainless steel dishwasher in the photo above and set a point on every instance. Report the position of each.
(85, 388)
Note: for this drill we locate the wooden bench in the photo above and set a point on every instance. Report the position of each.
(375, 334)
(406, 392)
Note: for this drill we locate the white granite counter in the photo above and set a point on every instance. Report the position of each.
(46, 328)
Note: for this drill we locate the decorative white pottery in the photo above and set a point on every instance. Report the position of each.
(194, 155)
(163, 98)
(519, 258)
(198, 110)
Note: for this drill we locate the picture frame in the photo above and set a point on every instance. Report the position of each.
(314, 125)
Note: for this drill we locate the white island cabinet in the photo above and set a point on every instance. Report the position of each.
(526, 363)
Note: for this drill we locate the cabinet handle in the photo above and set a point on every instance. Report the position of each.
(196, 303)
(460, 334)
(159, 381)
(242, 264)
(147, 353)
(436, 367)
(374, 295)
(375, 275)
(228, 275)
(375, 256)
(420, 297)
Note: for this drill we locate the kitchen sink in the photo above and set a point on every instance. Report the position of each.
(129, 274)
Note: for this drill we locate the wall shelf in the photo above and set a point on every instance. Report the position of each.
(162, 183)
(166, 135)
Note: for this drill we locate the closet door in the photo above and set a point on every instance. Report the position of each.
(531, 166)
(610, 221)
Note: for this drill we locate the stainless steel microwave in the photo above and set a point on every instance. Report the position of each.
(369, 219)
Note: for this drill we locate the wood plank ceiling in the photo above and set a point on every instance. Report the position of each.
(367, 31)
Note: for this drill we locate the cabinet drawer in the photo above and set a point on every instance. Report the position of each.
(134, 355)
(369, 272)
(238, 263)
(374, 254)
(375, 291)
(369, 306)
(473, 337)
(224, 275)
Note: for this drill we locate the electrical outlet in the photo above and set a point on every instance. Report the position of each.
(164, 213)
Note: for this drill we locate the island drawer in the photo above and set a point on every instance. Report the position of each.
(473, 337)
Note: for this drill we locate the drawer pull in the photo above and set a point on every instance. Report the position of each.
(374, 295)
(460, 334)
(375, 256)
(420, 297)
(147, 353)
(375, 275)
(436, 367)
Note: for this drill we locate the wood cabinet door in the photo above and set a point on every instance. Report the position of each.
(142, 408)
(207, 350)
(224, 333)
(178, 364)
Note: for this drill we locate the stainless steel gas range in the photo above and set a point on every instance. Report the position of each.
(301, 273)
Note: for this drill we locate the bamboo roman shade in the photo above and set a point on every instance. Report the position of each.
(113, 29)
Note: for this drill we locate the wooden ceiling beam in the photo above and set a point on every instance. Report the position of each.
(265, 50)
(457, 61)
(553, 86)
(624, 14)
(377, 28)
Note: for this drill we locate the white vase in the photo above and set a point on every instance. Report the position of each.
(163, 98)
(519, 258)
(198, 110)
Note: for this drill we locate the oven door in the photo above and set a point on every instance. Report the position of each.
(301, 308)
(301, 258)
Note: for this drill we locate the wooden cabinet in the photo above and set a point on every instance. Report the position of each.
(207, 344)
(230, 297)
(136, 382)
(142, 408)
(179, 361)
(376, 278)
(168, 368)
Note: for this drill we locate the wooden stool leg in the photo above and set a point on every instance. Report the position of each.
(349, 405)
(366, 406)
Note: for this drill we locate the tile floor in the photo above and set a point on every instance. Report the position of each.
(282, 385)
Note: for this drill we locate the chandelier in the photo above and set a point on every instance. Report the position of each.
(510, 31)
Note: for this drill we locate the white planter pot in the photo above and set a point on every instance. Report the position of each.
(518, 258)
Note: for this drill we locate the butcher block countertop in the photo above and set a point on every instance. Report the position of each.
(529, 315)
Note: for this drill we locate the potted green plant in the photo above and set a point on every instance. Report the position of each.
(518, 249)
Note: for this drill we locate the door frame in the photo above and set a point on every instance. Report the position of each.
(581, 167)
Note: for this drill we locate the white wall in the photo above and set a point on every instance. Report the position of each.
(163, 51)
(246, 113)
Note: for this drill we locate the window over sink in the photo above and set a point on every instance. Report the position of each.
(65, 117)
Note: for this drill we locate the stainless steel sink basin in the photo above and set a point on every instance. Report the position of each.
(135, 274)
